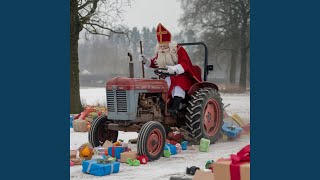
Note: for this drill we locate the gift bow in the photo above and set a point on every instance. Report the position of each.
(243, 156)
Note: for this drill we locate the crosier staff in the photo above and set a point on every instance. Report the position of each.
(142, 65)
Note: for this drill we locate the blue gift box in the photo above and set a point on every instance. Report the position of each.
(184, 145)
(99, 169)
(115, 151)
(231, 130)
(171, 148)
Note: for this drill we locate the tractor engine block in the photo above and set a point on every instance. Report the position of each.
(148, 108)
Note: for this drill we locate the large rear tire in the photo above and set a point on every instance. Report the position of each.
(204, 117)
(98, 132)
(151, 140)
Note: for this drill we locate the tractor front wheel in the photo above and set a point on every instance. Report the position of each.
(151, 140)
(99, 133)
(205, 115)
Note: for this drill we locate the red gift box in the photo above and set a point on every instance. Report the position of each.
(237, 167)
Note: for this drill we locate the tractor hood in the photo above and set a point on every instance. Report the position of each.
(124, 83)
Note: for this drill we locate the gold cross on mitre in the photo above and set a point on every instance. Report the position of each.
(161, 32)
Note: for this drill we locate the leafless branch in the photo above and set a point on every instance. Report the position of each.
(84, 5)
(87, 17)
(106, 28)
(96, 33)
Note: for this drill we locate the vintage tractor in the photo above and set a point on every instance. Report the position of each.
(138, 105)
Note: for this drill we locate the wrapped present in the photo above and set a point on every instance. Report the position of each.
(125, 155)
(166, 153)
(235, 168)
(115, 151)
(73, 154)
(179, 148)
(143, 159)
(231, 130)
(176, 135)
(171, 148)
(184, 145)
(209, 165)
(173, 142)
(133, 162)
(106, 159)
(100, 169)
(203, 175)
(107, 144)
(86, 151)
(79, 125)
(204, 145)
(237, 119)
(76, 161)
(99, 150)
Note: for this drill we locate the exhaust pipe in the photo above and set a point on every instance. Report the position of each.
(131, 73)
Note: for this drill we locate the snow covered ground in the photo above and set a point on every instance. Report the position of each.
(164, 168)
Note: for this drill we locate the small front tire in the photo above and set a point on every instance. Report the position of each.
(98, 132)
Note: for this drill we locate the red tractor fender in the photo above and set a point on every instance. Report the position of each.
(199, 85)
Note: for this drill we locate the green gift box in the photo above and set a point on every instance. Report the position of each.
(204, 145)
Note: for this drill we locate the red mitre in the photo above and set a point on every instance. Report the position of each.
(163, 35)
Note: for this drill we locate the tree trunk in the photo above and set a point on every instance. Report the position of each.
(243, 73)
(75, 103)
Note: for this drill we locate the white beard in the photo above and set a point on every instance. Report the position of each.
(167, 57)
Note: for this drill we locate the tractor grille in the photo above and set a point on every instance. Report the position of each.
(110, 101)
(120, 101)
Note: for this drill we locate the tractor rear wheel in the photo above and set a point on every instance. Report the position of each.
(204, 117)
(99, 133)
(151, 140)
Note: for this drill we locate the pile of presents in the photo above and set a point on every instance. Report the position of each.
(106, 159)
(82, 122)
(101, 161)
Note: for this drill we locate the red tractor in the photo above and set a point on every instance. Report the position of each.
(138, 105)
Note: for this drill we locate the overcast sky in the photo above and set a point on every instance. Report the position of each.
(151, 12)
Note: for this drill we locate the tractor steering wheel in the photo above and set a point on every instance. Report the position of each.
(159, 72)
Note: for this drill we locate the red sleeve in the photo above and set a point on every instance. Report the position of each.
(185, 62)
(183, 59)
(153, 60)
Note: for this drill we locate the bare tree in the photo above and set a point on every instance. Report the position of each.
(226, 21)
(98, 17)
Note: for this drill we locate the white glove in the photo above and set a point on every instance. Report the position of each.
(177, 69)
(143, 58)
(171, 69)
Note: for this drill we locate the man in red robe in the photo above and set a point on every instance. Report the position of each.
(176, 60)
